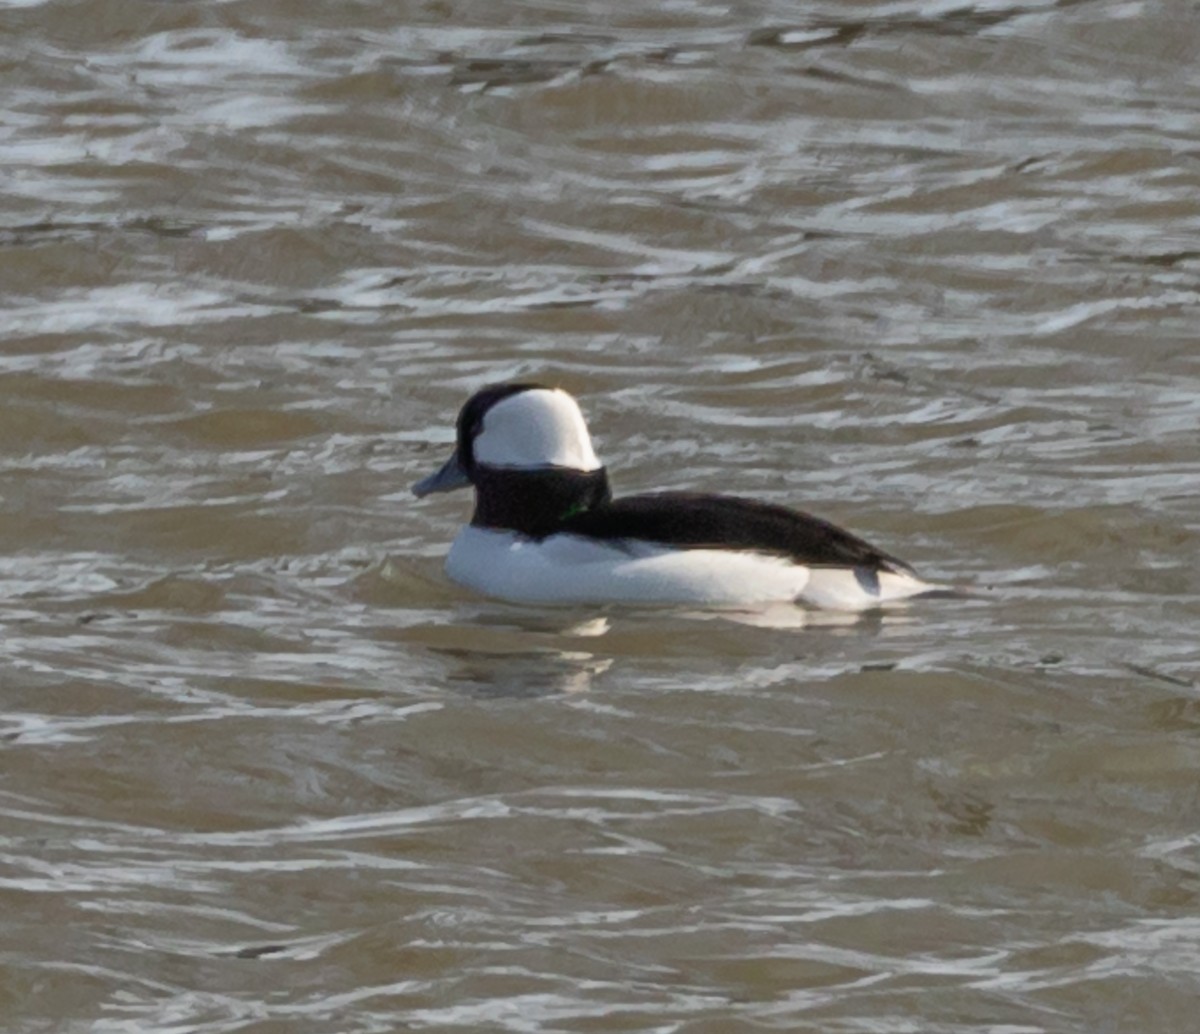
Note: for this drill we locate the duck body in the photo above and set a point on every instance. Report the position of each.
(546, 529)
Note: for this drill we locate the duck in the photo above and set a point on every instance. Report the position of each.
(546, 529)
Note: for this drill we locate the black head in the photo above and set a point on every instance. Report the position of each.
(526, 449)
(471, 416)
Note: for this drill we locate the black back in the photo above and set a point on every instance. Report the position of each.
(692, 520)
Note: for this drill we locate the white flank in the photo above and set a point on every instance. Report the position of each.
(847, 588)
(574, 569)
(537, 428)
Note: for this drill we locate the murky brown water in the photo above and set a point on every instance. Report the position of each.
(928, 269)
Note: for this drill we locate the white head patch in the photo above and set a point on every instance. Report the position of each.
(542, 427)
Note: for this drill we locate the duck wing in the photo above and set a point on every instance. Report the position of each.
(694, 520)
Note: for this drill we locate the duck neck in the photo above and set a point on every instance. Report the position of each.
(535, 502)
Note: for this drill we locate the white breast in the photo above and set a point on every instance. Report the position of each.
(574, 569)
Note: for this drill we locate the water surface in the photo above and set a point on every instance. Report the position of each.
(927, 269)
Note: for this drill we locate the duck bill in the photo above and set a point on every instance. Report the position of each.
(450, 477)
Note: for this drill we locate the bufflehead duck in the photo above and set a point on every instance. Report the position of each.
(547, 530)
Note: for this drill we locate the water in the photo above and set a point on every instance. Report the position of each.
(929, 270)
